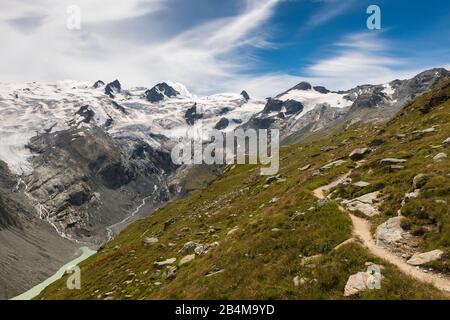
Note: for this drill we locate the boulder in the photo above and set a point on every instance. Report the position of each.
(392, 161)
(369, 280)
(192, 247)
(358, 153)
(165, 262)
(151, 240)
(361, 184)
(333, 164)
(419, 259)
(389, 232)
(186, 259)
(446, 141)
(170, 273)
(367, 204)
(421, 132)
(304, 168)
(420, 180)
(440, 156)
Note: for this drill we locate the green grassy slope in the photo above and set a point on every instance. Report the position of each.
(277, 226)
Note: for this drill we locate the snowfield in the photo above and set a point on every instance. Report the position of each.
(35, 108)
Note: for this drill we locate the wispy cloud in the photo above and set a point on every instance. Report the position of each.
(329, 10)
(359, 58)
(203, 56)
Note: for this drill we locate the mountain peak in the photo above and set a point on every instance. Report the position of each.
(302, 86)
(160, 91)
(98, 84)
(245, 95)
(113, 87)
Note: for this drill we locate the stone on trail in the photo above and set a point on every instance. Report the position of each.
(419, 259)
(389, 232)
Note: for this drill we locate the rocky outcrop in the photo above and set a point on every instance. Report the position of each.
(84, 180)
(367, 204)
(245, 95)
(222, 124)
(98, 84)
(192, 116)
(389, 232)
(113, 88)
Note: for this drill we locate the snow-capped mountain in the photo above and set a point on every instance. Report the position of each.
(305, 108)
(33, 109)
(80, 161)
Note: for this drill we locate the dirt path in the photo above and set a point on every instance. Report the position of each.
(361, 229)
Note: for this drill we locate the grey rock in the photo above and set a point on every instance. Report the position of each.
(333, 164)
(420, 180)
(446, 141)
(392, 161)
(186, 259)
(358, 153)
(165, 262)
(440, 156)
(151, 240)
(419, 259)
(389, 232)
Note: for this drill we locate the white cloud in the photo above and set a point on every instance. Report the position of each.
(203, 57)
(360, 58)
(330, 10)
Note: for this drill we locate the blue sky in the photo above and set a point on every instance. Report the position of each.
(263, 46)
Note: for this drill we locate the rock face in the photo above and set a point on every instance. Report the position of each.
(369, 280)
(389, 232)
(160, 91)
(358, 154)
(419, 259)
(245, 95)
(98, 84)
(26, 242)
(222, 124)
(191, 115)
(321, 89)
(84, 180)
(113, 88)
